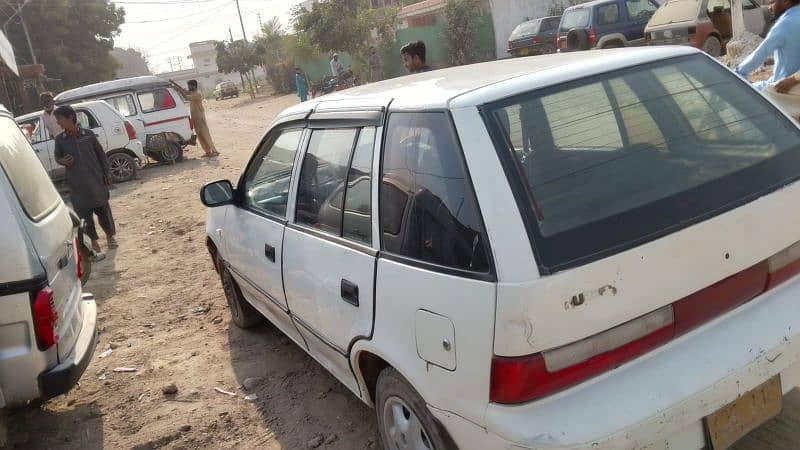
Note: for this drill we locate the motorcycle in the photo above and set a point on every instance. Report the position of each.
(345, 80)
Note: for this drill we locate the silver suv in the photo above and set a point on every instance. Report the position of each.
(47, 324)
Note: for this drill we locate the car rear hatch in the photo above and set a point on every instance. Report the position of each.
(657, 199)
(50, 229)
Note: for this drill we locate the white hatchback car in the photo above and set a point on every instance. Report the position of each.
(116, 135)
(588, 250)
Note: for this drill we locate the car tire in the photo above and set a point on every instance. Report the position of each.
(243, 314)
(122, 166)
(713, 46)
(578, 39)
(398, 405)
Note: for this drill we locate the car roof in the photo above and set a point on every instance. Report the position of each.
(476, 84)
(87, 104)
(110, 87)
(590, 4)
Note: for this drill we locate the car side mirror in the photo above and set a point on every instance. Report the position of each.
(218, 193)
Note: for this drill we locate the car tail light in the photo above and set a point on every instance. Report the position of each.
(131, 130)
(783, 265)
(191, 123)
(592, 38)
(537, 40)
(79, 260)
(527, 378)
(45, 319)
(509, 45)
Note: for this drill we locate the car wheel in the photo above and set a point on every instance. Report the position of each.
(172, 154)
(404, 421)
(548, 49)
(122, 167)
(242, 313)
(712, 46)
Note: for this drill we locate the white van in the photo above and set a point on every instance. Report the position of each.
(116, 135)
(47, 323)
(151, 105)
(594, 250)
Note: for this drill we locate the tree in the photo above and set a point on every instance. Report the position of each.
(130, 63)
(237, 56)
(72, 38)
(461, 29)
(334, 25)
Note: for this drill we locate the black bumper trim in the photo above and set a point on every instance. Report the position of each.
(63, 377)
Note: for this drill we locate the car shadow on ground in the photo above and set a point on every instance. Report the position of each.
(299, 401)
(50, 426)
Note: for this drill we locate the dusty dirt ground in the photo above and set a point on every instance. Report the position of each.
(148, 293)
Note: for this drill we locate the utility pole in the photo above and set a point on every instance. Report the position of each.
(260, 25)
(18, 12)
(240, 73)
(241, 21)
(244, 36)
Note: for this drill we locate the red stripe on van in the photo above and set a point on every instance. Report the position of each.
(158, 122)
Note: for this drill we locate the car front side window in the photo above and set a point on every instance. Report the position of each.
(265, 187)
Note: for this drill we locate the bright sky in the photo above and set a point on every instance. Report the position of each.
(163, 29)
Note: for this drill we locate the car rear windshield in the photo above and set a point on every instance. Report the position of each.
(575, 18)
(612, 161)
(525, 29)
(676, 11)
(28, 178)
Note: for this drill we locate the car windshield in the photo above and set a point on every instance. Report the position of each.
(621, 158)
(525, 29)
(676, 11)
(575, 18)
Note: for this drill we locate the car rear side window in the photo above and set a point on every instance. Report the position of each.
(357, 220)
(23, 169)
(86, 119)
(123, 104)
(575, 18)
(428, 210)
(156, 100)
(608, 14)
(619, 159)
(266, 182)
(323, 177)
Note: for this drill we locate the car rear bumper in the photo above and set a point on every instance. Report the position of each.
(661, 399)
(64, 376)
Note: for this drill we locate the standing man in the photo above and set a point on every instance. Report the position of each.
(781, 41)
(88, 175)
(336, 66)
(198, 113)
(301, 84)
(375, 65)
(50, 122)
(413, 55)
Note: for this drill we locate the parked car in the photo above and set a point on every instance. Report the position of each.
(534, 37)
(704, 24)
(47, 323)
(226, 89)
(116, 135)
(156, 110)
(618, 275)
(604, 24)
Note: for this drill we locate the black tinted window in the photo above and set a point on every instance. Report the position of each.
(266, 184)
(323, 177)
(618, 159)
(428, 210)
(357, 220)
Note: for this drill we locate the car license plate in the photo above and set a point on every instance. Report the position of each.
(745, 414)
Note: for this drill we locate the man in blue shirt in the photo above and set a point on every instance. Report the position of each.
(782, 42)
(301, 84)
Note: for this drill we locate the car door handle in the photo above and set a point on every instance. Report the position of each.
(349, 292)
(269, 252)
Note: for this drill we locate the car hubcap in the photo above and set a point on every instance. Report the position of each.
(121, 168)
(172, 152)
(403, 427)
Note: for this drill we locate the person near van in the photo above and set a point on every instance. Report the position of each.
(198, 113)
(88, 175)
(336, 66)
(301, 84)
(49, 120)
(781, 41)
(413, 55)
(375, 65)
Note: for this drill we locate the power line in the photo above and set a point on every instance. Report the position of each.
(176, 2)
(172, 18)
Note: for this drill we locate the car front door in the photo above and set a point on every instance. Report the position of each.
(329, 256)
(253, 231)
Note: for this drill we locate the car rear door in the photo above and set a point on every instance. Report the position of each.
(329, 256)
(90, 120)
(638, 13)
(43, 145)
